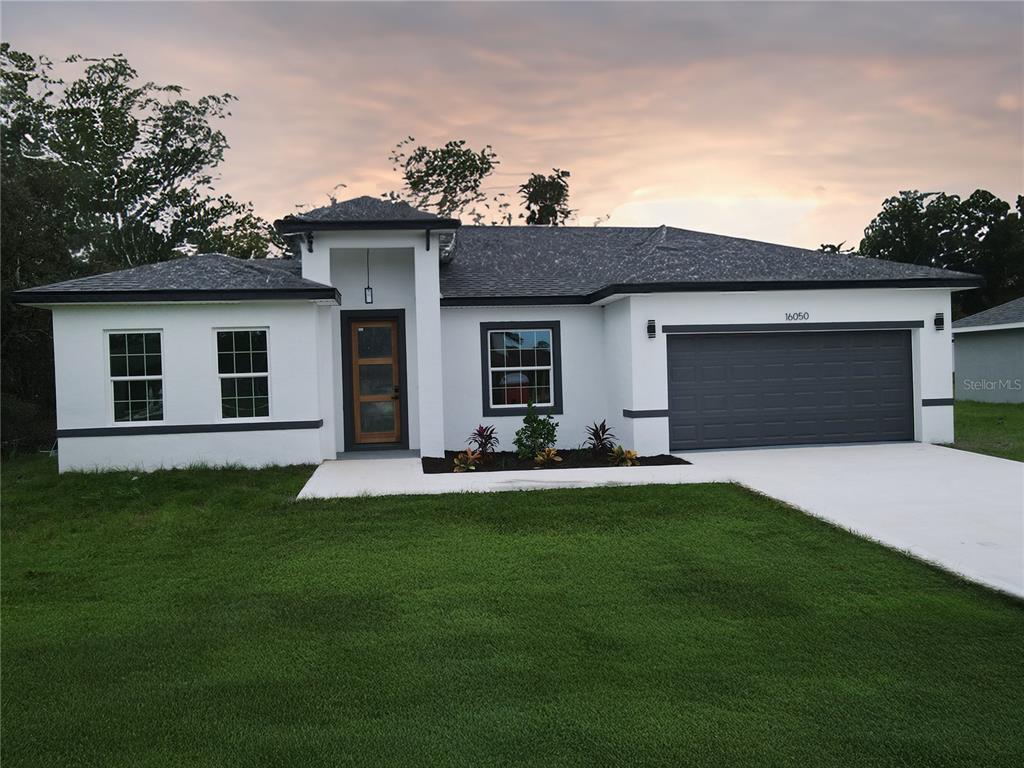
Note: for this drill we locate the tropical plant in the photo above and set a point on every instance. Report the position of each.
(547, 457)
(484, 439)
(600, 438)
(467, 461)
(536, 434)
(621, 457)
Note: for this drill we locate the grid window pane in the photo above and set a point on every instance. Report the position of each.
(241, 352)
(521, 366)
(244, 397)
(134, 363)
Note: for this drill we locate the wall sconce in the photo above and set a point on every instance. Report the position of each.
(368, 291)
(940, 321)
(652, 331)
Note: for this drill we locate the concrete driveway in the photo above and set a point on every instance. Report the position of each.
(962, 511)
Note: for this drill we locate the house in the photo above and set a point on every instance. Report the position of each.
(397, 329)
(988, 354)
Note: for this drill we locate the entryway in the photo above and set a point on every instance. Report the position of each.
(373, 352)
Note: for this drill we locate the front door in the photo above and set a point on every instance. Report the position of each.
(376, 395)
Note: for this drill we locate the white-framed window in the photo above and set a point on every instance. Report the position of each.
(136, 375)
(521, 365)
(243, 366)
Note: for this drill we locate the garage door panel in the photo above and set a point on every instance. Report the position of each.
(745, 390)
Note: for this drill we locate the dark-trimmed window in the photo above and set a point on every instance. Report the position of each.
(136, 375)
(242, 366)
(521, 363)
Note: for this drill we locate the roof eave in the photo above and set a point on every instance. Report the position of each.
(46, 298)
(290, 225)
(723, 286)
(1018, 325)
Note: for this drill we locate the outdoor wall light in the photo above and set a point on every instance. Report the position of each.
(651, 330)
(940, 321)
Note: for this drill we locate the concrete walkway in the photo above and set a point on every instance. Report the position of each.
(962, 511)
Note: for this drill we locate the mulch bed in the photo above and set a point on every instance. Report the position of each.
(507, 461)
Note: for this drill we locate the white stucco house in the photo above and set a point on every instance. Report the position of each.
(988, 354)
(393, 329)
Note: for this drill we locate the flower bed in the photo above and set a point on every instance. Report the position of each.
(507, 461)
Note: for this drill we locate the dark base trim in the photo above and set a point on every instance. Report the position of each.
(648, 414)
(772, 327)
(937, 401)
(190, 429)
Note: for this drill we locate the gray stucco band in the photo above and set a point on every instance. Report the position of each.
(931, 401)
(648, 414)
(190, 429)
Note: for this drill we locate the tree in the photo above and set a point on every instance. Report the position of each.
(980, 234)
(546, 198)
(101, 173)
(448, 180)
(837, 249)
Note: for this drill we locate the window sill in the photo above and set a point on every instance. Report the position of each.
(540, 410)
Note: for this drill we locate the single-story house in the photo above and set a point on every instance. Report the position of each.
(392, 328)
(988, 354)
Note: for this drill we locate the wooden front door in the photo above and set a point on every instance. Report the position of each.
(376, 395)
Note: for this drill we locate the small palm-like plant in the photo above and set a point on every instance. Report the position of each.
(620, 457)
(466, 461)
(600, 438)
(547, 457)
(484, 439)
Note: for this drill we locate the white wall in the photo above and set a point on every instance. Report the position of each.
(191, 387)
(403, 275)
(932, 350)
(584, 373)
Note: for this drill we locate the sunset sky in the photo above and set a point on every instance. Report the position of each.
(787, 122)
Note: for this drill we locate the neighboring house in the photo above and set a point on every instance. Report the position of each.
(988, 353)
(396, 329)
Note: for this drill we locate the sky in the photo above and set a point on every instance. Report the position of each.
(786, 122)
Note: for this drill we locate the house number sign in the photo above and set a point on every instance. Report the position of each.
(796, 316)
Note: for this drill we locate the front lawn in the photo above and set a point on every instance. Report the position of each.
(993, 428)
(203, 618)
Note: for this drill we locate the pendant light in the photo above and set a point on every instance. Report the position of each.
(368, 291)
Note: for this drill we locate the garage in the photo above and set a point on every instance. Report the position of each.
(741, 390)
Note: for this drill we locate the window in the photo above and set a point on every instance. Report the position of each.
(521, 362)
(136, 375)
(242, 366)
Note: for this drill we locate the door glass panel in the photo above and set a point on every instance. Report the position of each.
(377, 416)
(374, 341)
(375, 379)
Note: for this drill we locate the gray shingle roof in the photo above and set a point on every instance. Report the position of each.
(360, 212)
(587, 263)
(208, 275)
(1004, 314)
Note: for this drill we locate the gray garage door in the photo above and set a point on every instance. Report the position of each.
(736, 390)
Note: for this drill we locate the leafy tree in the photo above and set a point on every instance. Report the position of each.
(100, 173)
(546, 198)
(980, 234)
(448, 180)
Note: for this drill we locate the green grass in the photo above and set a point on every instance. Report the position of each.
(203, 618)
(996, 429)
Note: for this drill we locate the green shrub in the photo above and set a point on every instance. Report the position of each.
(536, 434)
